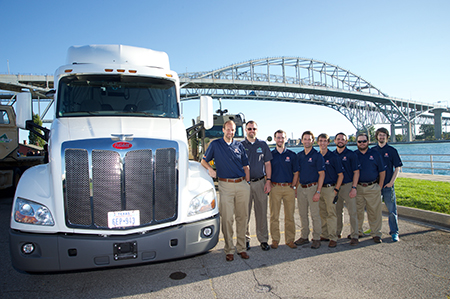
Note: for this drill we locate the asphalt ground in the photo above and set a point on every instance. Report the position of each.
(418, 266)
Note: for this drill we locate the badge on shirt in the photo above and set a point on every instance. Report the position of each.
(287, 160)
(310, 160)
(259, 150)
(327, 162)
(371, 158)
(344, 158)
(386, 155)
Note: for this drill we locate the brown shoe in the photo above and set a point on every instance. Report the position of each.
(301, 241)
(315, 244)
(324, 239)
(292, 245)
(274, 244)
(244, 255)
(339, 236)
(377, 239)
(354, 242)
(229, 257)
(332, 244)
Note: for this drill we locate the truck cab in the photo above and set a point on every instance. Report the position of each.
(119, 188)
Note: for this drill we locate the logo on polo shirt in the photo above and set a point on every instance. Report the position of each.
(327, 162)
(386, 155)
(371, 158)
(287, 159)
(259, 150)
(344, 158)
(310, 160)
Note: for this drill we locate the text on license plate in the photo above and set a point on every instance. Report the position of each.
(123, 218)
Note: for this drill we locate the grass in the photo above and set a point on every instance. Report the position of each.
(423, 194)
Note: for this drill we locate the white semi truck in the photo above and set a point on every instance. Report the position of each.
(119, 188)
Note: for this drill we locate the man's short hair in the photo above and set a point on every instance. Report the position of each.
(340, 133)
(279, 131)
(251, 122)
(363, 134)
(228, 122)
(324, 135)
(308, 133)
(381, 130)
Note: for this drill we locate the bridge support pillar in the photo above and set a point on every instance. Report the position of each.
(408, 131)
(393, 132)
(438, 123)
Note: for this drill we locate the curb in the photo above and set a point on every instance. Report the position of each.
(422, 215)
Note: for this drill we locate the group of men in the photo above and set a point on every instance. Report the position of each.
(322, 181)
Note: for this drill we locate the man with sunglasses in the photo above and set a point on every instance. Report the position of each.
(371, 179)
(259, 157)
(393, 164)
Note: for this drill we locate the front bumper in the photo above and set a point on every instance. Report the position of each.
(63, 252)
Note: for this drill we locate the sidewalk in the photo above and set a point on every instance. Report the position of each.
(435, 218)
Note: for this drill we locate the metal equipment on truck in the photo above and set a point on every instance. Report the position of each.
(119, 188)
(12, 165)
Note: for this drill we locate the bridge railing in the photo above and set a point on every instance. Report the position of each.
(427, 163)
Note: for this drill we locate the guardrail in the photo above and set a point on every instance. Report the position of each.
(422, 164)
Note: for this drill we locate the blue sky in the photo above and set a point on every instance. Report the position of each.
(401, 47)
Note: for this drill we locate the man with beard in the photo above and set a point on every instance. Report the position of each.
(284, 180)
(393, 164)
(234, 180)
(312, 174)
(370, 184)
(259, 157)
(347, 192)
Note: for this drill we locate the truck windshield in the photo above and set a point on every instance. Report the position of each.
(116, 95)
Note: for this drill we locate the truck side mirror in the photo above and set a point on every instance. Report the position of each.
(24, 110)
(206, 112)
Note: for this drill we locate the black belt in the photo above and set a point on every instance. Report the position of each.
(328, 185)
(255, 180)
(368, 183)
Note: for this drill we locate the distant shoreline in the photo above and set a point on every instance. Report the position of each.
(374, 143)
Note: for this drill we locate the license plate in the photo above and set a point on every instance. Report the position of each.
(123, 219)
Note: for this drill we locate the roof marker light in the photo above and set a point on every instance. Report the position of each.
(132, 71)
(108, 70)
(68, 71)
(121, 70)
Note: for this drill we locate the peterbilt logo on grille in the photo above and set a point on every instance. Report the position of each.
(122, 145)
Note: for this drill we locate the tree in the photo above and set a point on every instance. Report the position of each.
(33, 138)
(370, 131)
(399, 137)
(427, 131)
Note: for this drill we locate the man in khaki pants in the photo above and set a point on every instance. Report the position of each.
(234, 186)
(370, 184)
(284, 179)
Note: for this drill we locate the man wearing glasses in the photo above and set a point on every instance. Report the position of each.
(259, 157)
(393, 164)
(371, 179)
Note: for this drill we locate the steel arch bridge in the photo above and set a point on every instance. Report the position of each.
(286, 79)
(308, 81)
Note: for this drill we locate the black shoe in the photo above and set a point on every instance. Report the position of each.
(247, 245)
(265, 246)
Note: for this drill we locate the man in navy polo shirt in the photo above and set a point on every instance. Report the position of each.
(393, 164)
(234, 179)
(371, 179)
(347, 192)
(312, 174)
(330, 189)
(284, 179)
(259, 157)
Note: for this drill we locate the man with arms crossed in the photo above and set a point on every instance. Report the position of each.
(347, 192)
(370, 184)
(330, 189)
(284, 179)
(312, 174)
(259, 157)
(234, 179)
(393, 164)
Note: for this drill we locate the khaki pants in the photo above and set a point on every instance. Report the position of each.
(233, 204)
(258, 199)
(305, 202)
(370, 198)
(328, 213)
(350, 203)
(280, 194)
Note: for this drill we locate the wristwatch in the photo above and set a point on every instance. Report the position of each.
(318, 192)
(249, 182)
(353, 187)
(336, 189)
(294, 187)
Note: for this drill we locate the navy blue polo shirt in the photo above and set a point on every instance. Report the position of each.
(258, 154)
(391, 159)
(333, 167)
(229, 159)
(349, 162)
(284, 166)
(371, 164)
(309, 166)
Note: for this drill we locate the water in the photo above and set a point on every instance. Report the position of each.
(425, 149)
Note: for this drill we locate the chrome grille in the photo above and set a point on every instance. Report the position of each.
(98, 181)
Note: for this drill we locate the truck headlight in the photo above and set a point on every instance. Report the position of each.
(203, 202)
(27, 211)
